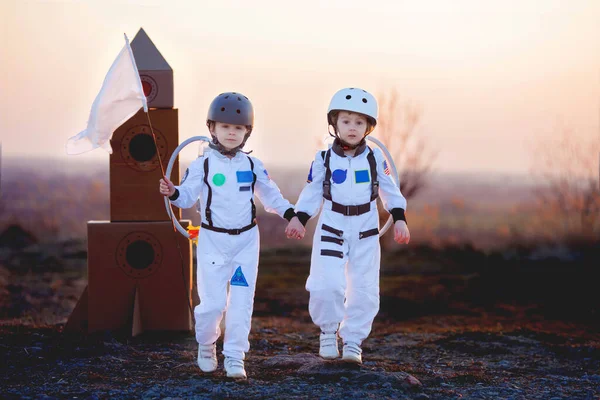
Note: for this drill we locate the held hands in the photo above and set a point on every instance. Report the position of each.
(295, 229)
(401, 233)
(166, 187)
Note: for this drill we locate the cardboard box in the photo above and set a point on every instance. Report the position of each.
(135, 168)
(136, 277)
(155, 72)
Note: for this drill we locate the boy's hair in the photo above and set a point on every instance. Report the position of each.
(334, 114)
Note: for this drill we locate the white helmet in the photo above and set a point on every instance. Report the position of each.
(354, 100)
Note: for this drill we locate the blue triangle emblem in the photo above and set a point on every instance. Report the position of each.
(238, 278)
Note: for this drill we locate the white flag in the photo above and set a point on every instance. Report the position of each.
(120, 97)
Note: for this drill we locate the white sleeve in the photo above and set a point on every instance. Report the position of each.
(191, 185)
(311, 198)
(389, 192)
(268, 192)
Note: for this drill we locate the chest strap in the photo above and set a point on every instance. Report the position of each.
(326, 155)
(208, 214)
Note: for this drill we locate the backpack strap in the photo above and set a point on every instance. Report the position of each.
(252, 197)
(374, 181)
(209, 197)
(327, 180)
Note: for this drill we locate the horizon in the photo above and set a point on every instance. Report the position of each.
(491, 80)
(74, 169)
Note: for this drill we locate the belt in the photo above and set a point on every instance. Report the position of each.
(350, 210)
(229, 231)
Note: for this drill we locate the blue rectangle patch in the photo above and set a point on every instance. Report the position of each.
(362, 176)
(244, 188)
(244, 176)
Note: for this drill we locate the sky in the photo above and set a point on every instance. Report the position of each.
(490, 77)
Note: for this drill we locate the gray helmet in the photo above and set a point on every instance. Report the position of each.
(231, 108)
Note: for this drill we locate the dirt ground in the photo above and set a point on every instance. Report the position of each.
(504, 351)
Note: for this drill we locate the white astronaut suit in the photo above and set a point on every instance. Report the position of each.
(344, 272)
(228, 242)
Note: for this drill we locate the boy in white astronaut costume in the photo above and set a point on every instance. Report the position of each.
(226, 179)
(346, 181)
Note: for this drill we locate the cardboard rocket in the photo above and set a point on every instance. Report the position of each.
(139, 268)
(155, 72)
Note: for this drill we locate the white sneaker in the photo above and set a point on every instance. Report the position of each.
(207, 357)
(235, 368)
(329, 346)
(352, 353)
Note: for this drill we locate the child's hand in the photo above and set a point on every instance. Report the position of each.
(401, 233)
(295, 229)
(166, 187)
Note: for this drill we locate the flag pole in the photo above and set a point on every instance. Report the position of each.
(162, 169)
(144, 101)
(145, 104)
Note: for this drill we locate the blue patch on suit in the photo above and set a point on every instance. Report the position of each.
(244, 176)
(339, 175)
(187, 171)
(244, 188)
(267, 174)
(309, 179)
(238, 278)
(362, 176)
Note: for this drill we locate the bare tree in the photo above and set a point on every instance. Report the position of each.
(397, 130)
(569, 193)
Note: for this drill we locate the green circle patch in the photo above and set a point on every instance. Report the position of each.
(219, 179)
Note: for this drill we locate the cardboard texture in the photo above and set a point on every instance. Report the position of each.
(78, 320)
(135, 278)
(139, 267)
(135, 168)
(155, 72)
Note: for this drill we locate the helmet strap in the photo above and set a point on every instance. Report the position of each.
(343, 144)
(358, 148)
(216, 145)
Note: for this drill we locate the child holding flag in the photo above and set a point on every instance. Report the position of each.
(226, 179)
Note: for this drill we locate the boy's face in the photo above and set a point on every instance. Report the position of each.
(351, 127)
(229, 135)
